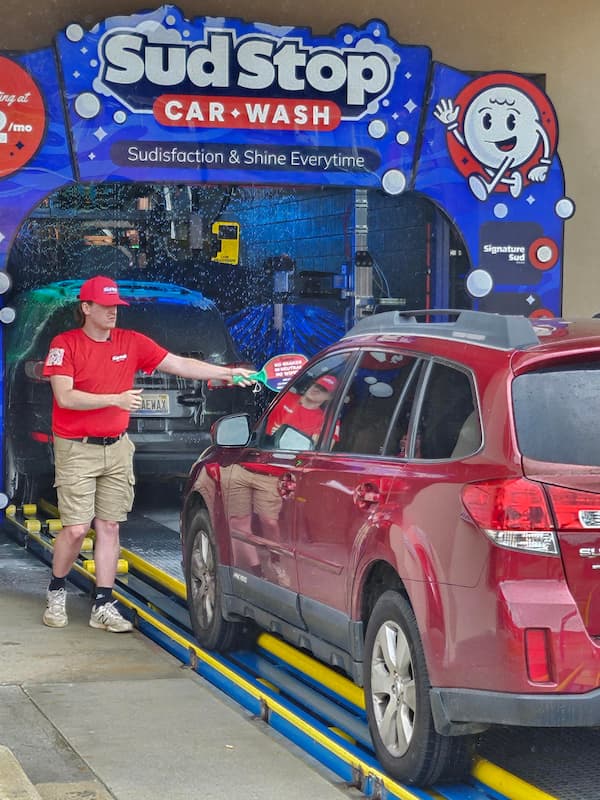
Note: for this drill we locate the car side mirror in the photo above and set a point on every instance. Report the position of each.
(231, 431)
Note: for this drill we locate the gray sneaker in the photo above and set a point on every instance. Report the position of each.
(108, 618)
(55, 615)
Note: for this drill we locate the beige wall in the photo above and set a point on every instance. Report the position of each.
(531, 36)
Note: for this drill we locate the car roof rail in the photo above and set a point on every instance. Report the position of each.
(504, 331)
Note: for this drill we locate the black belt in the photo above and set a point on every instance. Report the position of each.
(103, 440)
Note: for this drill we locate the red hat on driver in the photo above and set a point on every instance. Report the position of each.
(101, 290)
(328, 382)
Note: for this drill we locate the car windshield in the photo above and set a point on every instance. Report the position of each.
(556, 414)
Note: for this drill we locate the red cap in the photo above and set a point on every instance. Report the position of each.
(328, 382)
(101, 290)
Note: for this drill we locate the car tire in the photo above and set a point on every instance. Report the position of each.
(406, 742)
(211, 629)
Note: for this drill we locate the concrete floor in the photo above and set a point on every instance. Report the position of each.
(94, 715)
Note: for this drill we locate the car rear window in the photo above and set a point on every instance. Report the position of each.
(185, 330)
(557, 414)
(182, 329)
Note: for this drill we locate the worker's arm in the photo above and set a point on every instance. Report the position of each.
(195, 369)
(68, 397)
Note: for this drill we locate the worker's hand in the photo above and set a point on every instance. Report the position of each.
(241, 376)
(130, 400)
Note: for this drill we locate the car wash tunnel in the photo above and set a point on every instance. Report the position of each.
(256, 193)
(232, 275)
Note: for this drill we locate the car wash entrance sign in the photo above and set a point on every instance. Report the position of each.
(157, 98)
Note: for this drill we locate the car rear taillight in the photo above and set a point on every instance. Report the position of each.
(38, 436)
(574, 510)
(513, 513)
(34, 370)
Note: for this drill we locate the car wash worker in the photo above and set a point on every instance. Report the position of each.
(305, 412)
(91, 371)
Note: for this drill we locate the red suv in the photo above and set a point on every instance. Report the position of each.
(439, 539)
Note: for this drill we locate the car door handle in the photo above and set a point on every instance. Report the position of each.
(366, 495)
(286, 485)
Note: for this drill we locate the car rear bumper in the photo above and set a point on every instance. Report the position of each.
(167, 454)
(462, 711)
(158, 455)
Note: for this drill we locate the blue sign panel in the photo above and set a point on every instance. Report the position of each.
(489, 161)
(158, 97)
(34, 152)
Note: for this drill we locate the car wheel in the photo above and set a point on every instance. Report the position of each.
(204, 590)
(397, 701)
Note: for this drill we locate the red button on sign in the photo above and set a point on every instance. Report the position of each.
(22, 117)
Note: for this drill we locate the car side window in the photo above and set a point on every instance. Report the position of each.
(399, 439)
(448, 424)
(369, 404)
(298, 418)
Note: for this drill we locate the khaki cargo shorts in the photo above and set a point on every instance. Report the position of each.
(93, 480)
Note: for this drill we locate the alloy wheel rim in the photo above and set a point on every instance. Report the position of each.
(203, 579)
(393, 691)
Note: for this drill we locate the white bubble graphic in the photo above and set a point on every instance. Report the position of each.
(377, 129)
(119, 117)
(544, 254)
(393, 182)
(403, 137)
(479, 283)
(5, 282)
(87, 105)
(500, 210)
(74, 33)
(7, 315)
(565, 208)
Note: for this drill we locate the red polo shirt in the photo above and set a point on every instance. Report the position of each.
(291, 412)
(99, 368)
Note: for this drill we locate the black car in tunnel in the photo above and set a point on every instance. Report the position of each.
(173, 426)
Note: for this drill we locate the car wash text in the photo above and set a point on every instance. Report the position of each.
(340, 83)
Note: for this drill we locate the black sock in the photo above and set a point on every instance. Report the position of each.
(56, 583)
(102, 595)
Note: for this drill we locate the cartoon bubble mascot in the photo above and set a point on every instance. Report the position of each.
(501, 129)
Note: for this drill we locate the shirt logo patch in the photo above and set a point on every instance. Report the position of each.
(121, 357)
(55, 357)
